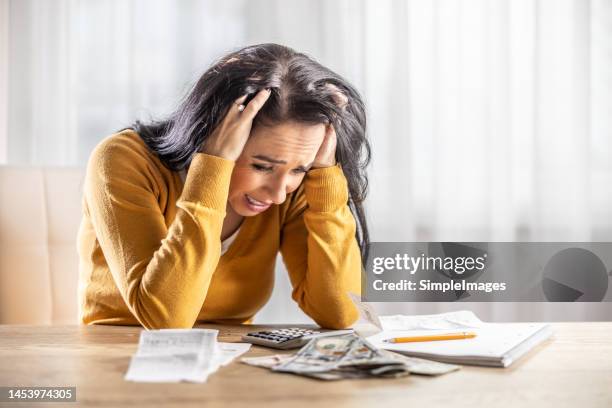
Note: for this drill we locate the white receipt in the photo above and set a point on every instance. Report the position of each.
(452, 320)
(461, 319)
(177, 341)
(180, 355)
(366, 311)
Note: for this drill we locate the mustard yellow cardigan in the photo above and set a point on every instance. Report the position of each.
(150, 250)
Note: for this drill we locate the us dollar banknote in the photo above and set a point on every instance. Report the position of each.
(347, 357)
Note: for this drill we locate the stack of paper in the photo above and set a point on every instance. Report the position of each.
(173, 355)
(495, 344)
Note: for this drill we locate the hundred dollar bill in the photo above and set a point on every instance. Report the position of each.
(352, 368)
(345, 356)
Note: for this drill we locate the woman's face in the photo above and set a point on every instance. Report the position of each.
(272, 165)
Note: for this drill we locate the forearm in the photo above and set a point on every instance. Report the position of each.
(168, 291)
(333, 268)
(162, 273)
(332, 264)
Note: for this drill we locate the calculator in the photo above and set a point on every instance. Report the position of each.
(288, 338)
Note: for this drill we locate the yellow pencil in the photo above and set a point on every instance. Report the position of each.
(433, 337)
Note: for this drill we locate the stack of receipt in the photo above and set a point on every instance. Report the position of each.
(173, 355)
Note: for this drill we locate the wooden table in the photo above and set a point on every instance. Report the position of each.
(573, 369)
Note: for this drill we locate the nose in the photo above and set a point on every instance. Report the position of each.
(277, 190)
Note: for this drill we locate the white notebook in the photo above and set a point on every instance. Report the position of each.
(495, 344)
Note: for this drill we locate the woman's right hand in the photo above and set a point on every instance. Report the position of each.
(229, 138)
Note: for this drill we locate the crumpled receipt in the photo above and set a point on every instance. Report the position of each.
(452, 320)
(372, 323)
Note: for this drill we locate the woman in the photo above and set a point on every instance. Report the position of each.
(183, 218)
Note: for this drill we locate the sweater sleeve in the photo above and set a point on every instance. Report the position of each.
(320, 250)
(163, 273)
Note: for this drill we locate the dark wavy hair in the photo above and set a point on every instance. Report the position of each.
(303, 91)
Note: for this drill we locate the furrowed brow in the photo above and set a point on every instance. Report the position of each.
(268, 159)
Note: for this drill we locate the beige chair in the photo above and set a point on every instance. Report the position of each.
(40, 211)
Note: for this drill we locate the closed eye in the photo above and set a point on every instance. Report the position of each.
(259, 167)
(267, 169)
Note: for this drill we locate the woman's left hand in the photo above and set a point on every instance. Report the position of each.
(326, 156)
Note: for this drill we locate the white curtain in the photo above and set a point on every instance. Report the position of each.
(490, 120)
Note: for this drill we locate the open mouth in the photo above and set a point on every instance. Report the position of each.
(254, 204)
